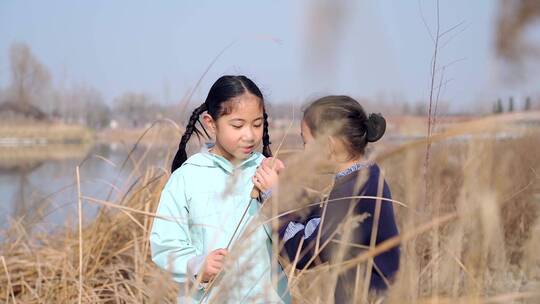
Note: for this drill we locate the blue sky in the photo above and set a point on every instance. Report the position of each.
(162, 48)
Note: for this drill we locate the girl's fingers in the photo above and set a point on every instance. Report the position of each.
(261, 187)
(219, 258)
(215, 266)
(266, 173)
(213, 271)
(257, 184)
(260, 177)
(279, 165)
(273, 163)
(215, 262)
(266, 169)
(269, 177)
(217, 255)
(221, 251)
(219, 265)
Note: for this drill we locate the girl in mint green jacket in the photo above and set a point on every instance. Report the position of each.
(206, 205)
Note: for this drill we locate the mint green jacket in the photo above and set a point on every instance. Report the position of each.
(200, 207)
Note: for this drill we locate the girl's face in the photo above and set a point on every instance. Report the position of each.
(240, 132)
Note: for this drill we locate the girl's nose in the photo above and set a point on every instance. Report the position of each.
(249, 134)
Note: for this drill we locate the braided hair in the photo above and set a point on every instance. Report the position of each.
(266, 137)
(224, 89)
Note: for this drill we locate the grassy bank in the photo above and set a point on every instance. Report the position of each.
(40, 133)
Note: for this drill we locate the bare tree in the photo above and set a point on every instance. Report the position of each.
(90, 107)
(99, 114)
(29, 77)
(135, 109)
(527, 106)
(81, 104)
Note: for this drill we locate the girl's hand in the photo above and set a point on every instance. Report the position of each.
(277, 164)
(213, 264)
(266, 176)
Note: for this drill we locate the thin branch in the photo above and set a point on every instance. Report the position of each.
(452, 28)
(424, 21)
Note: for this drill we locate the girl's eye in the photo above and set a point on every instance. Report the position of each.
(237, 127)
(257, 125)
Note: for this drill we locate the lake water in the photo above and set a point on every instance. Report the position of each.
(45, 190)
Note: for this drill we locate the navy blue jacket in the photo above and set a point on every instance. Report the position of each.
(336, 211)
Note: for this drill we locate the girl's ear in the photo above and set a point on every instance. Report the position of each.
(331, 146)
(210, 123)
(337, 149)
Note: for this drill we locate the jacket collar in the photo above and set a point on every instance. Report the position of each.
(208, 159)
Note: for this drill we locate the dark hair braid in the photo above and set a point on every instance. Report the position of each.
(181, 155)
(266, 138)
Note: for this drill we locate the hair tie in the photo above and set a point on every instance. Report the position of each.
(375, 127)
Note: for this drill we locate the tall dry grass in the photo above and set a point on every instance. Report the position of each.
(471, 237)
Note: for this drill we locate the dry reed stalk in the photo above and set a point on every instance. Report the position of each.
(9, 288)
(79, 212)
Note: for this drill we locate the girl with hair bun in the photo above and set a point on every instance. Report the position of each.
(347, 129)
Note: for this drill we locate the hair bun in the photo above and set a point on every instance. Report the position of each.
(375, 127)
